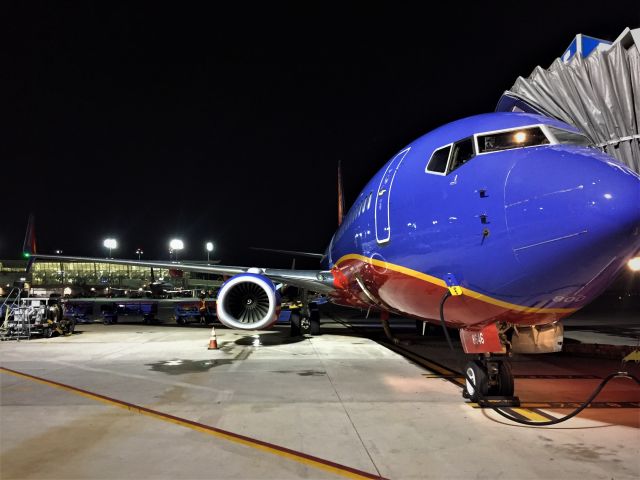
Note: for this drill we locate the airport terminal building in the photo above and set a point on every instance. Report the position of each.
(92, 278)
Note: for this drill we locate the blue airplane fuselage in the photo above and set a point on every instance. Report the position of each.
(530, 234)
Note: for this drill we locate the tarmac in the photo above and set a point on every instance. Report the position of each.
(153, 402)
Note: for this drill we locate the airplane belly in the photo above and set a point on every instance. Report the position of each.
(418, 298)
(408, 292)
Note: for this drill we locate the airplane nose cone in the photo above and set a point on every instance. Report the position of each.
(613, 200)
(574, 209)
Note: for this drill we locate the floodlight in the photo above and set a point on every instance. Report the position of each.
(176, 244)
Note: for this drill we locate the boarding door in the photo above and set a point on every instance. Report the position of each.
(383, 225)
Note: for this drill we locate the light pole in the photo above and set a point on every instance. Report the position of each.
(111, 244)
(175, 245)
(209, 247)
(139, 252)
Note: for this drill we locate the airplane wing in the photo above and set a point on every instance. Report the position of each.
(319, 281)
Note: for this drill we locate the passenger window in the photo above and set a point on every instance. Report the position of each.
(462, 153)
(369, 201)
(438, 161)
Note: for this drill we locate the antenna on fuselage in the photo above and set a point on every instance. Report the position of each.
(340, 194)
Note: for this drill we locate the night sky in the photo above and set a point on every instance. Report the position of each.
(145, 123)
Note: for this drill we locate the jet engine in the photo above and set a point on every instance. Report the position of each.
(248, 301)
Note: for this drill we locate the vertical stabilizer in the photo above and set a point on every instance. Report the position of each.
(340, 194)
(29, 245)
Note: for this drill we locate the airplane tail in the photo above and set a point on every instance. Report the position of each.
(29, 245)
(340, 194)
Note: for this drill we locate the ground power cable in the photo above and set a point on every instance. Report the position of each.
(500, 412)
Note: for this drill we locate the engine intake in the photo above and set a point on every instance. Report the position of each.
(248, 301)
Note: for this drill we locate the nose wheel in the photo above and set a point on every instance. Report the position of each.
(486, 378)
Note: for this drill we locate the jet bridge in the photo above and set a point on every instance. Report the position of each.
(594, 85)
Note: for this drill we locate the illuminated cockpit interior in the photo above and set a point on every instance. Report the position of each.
(448, 158)
(507, 140)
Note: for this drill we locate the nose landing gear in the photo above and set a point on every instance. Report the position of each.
(489, 380)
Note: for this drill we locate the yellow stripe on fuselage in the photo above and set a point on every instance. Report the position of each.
(441, 283)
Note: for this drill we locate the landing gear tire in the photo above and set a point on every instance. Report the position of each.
(504, 386)
(314, 326)
(479, 385)
(314, 319)
(308, 326)
(295, 324)
(305, 326)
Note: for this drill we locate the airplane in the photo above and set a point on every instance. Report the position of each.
(513, 219)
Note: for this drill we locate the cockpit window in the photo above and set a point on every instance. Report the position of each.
(461, 154)
(573, 138)
(521, 137)
(439, 160)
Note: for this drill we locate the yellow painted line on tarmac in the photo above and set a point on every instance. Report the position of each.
(303, 458)
(522, 412)
(525, 412)
(445, 376)
(444, 373)
(531, 415)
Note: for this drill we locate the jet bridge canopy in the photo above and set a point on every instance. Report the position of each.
(599, 93)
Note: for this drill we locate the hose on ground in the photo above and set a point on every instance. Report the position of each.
(548, 423)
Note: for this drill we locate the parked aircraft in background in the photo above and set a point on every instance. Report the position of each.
(515, 214)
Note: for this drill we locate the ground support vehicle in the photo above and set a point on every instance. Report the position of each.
(35, 316)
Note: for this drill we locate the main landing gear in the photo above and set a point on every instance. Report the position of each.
(488, 378)
(302, 324)
(305, 321)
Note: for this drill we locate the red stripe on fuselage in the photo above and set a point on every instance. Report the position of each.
(416, 297)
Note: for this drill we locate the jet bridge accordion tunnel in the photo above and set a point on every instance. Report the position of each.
(594, 85)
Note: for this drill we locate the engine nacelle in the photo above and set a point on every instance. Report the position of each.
(248, 301)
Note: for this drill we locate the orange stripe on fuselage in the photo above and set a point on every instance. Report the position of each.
(441, 283)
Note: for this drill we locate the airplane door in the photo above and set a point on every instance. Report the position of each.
(382, 220)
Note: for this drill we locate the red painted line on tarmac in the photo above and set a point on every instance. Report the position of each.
(304, 458)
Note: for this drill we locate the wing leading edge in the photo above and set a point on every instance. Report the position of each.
(314, 280)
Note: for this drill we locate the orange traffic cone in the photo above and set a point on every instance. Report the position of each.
(213, 342)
